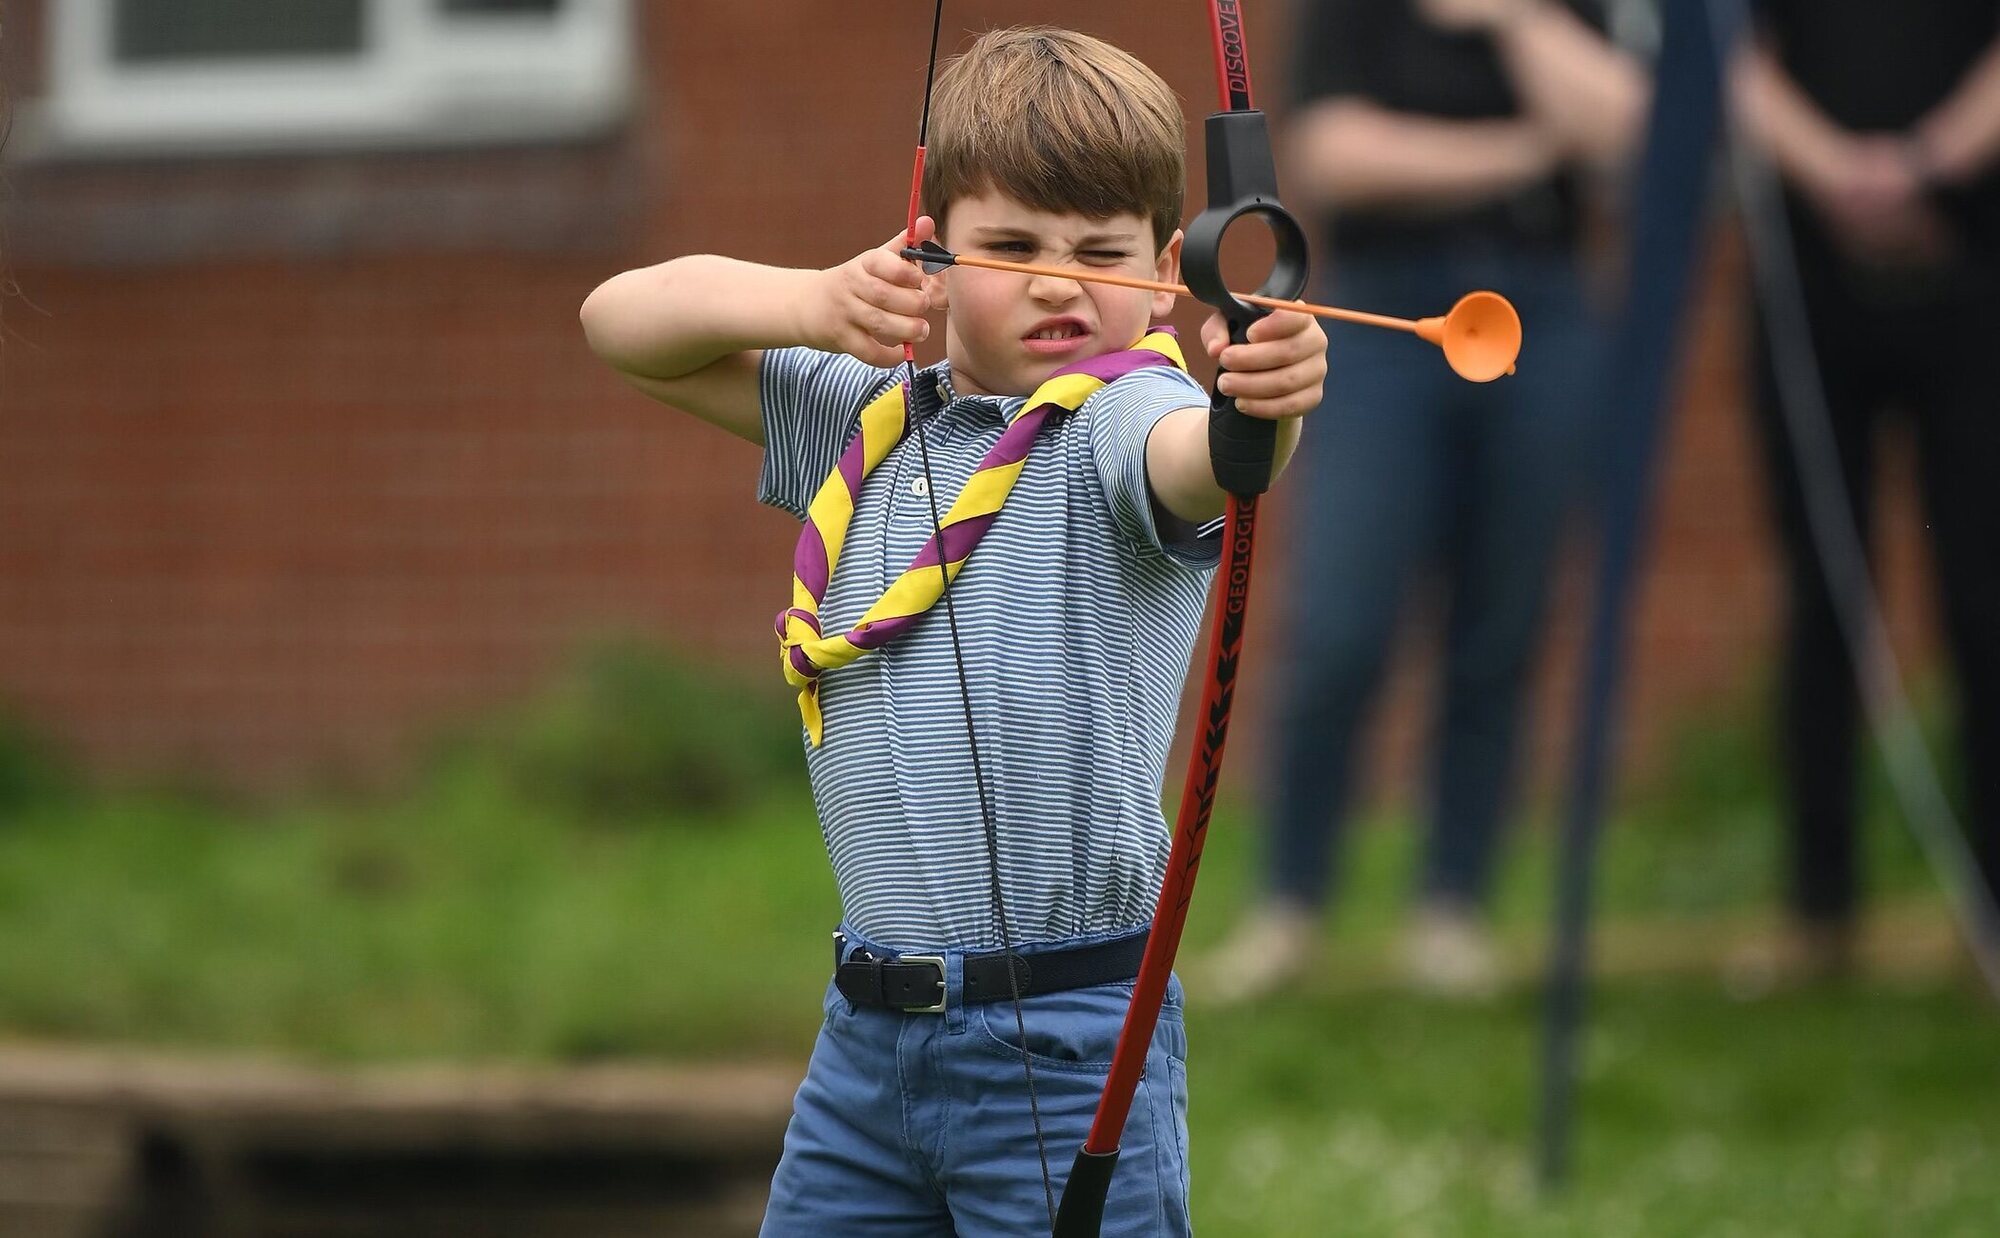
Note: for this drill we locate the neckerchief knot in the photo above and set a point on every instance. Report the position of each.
(805, 652)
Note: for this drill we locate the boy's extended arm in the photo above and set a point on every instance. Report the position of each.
(1278, 374)
(692, 332)
(1178, 467)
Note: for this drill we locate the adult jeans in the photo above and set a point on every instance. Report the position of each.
(1408, 469)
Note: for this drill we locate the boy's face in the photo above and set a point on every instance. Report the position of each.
(1007, 332)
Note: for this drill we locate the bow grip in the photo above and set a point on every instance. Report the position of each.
(1242, 180)
(1081, 1214)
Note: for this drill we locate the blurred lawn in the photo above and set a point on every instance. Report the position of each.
(467, 920)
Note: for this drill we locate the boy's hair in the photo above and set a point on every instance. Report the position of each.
(1061, 121)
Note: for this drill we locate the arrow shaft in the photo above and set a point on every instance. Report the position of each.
(1180, 290)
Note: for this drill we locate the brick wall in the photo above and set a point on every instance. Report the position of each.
(301, 457)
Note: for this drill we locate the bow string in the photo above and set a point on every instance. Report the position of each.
(1242, 181)
(989, 827)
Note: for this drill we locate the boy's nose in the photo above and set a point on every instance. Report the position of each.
(1053, 291)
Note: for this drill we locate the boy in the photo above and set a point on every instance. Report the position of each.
(934, 1090)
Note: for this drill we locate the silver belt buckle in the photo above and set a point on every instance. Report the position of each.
(943, 988)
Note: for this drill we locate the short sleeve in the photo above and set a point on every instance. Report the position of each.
(1120, 418)
(1339, 50)
(811, 404)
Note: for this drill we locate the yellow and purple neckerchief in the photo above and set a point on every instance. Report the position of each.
(804, 651)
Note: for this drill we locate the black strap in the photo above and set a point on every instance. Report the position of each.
(916, 983)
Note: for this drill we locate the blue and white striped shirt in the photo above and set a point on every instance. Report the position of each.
(1076, 617)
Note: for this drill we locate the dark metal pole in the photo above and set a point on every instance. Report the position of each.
(1667, 220)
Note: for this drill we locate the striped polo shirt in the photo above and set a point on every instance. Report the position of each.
(1076, 616)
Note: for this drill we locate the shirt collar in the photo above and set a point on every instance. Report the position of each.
(986, 407)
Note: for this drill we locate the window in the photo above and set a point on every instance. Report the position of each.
(136, 76)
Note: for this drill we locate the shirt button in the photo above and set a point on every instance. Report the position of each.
(920, 487)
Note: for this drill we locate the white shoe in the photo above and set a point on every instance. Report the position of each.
(1449, 952)
(1269, 951)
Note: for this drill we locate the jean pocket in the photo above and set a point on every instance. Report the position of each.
(1075, 1031)
(1170, 1141)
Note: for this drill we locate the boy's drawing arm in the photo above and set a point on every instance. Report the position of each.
(691, 332)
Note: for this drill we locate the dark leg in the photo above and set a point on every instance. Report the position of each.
(1366, 490)
(1819, 748)
(1818, 698)
(1523, 440)
(1958, 435)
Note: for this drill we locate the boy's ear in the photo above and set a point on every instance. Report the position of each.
(1167, 268)
(937, 290)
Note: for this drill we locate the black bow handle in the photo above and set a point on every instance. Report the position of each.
(1242, 181)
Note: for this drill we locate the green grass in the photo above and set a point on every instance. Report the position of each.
(455, 925)
(463, 922)
(1860, 1112)
(468, 920)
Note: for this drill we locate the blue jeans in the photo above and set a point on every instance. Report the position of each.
(918, 1124)
(1408, 469)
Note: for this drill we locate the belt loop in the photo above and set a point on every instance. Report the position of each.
(881, 982)
(839, 957)
(954, 992)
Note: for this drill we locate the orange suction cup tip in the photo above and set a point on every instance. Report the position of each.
(1481, 337)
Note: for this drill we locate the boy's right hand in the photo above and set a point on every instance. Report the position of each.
(868, 306)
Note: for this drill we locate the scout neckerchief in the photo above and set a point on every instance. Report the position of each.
(805, 652)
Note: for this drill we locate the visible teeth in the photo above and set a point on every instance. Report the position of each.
(1056, 333)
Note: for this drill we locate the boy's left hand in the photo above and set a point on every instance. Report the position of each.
(1280, 372)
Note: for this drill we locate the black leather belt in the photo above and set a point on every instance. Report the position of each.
(914, 983)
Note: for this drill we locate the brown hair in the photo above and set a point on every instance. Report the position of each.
(1061, 121)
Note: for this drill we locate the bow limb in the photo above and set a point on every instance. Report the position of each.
(1242, 180)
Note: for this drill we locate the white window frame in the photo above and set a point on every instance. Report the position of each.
(420, 78)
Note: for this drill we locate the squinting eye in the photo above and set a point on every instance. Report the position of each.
(1105, 255)
(1008, 247)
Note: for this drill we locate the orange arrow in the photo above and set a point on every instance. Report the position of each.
(1481, 336)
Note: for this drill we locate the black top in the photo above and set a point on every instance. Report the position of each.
(1383, 51)
(1876, 64)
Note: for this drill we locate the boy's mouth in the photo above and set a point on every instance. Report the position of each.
(1056, 335)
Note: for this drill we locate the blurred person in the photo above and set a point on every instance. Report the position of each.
(1446, 145)
(1884, 125)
